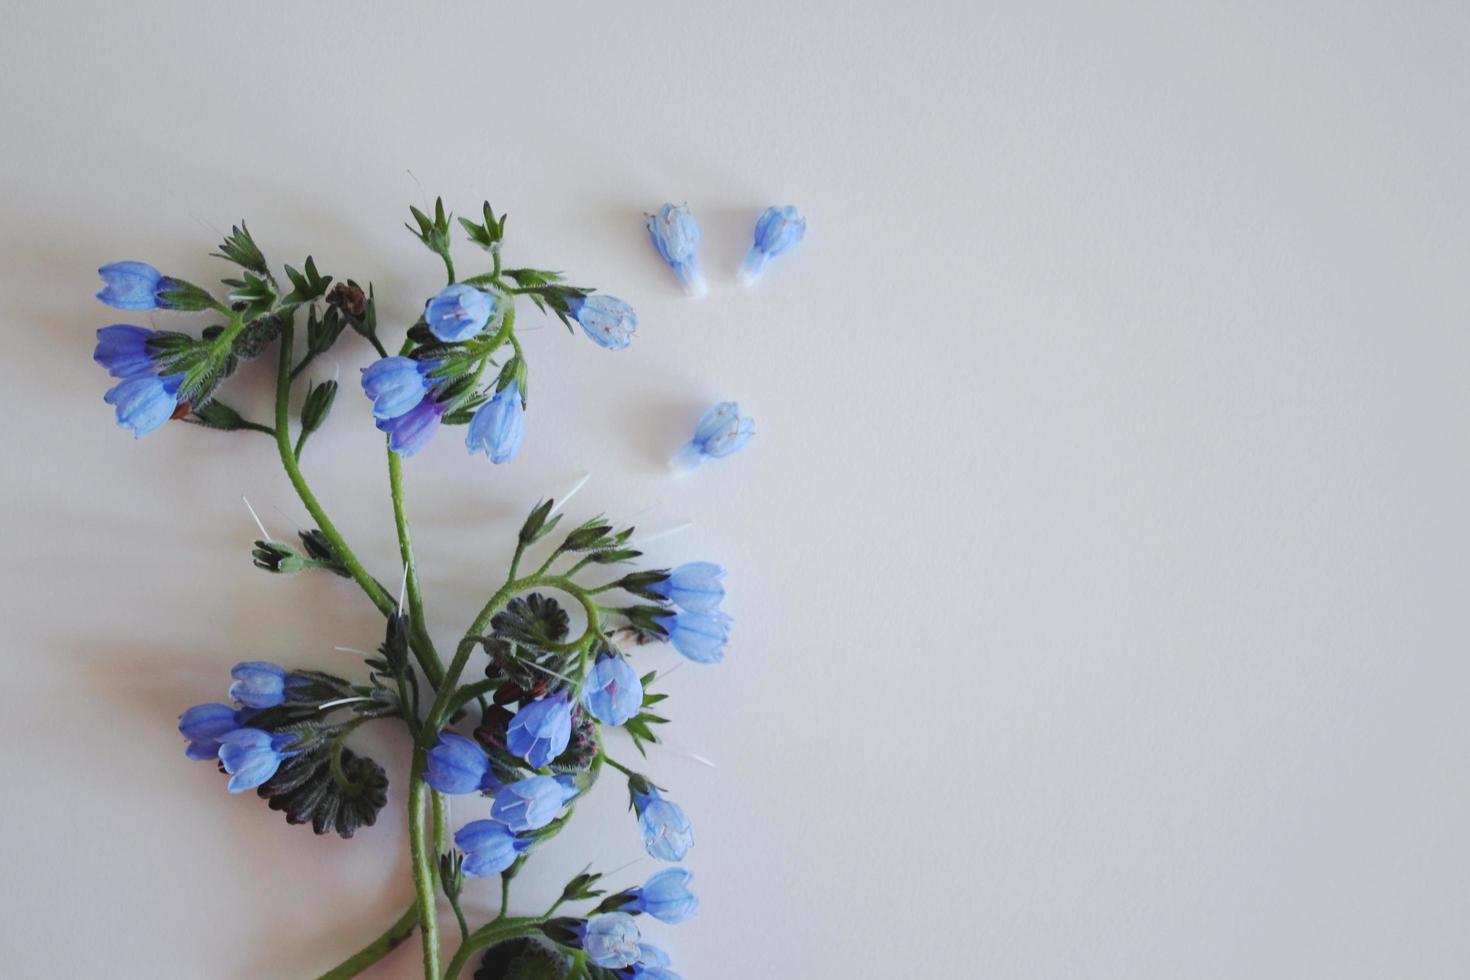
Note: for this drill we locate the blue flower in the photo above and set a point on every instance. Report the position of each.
(252, 756)
(458, 765)
(611, 940)
(203, 725)
(699, 636)
(259, 684)
(145, 402)
(532, 803)
(666, 897)
(613, 693)
(606, 319)
(498, 426)
(721, 432)
(489, 847)
(540, 730)
(694, 586)
(667, 834)
(675, 234)
(459, 312)
(651, 955)
(396, 385)
(776, 230)
(130, 285)
(123, 350)
(411, 431)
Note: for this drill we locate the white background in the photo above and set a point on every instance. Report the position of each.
(1099, 568)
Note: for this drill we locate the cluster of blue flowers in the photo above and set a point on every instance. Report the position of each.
(142, 399)
(221, 731)
(674, 232)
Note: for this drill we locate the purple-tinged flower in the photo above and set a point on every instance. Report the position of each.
(541, 730)
(459, 312)
(532, 803)
(411, 431)
(695, 586)
(606, 319)
(204, 724)
(130, 285)
(123, 350)
(776, 230)
(667, 833)
(259, 684)
(666, 897)
(251, 756)
(457, 765)
(675, 234)
(611, 940)
(613, 693)
(499, 426)
(701, 637)
(489, 847)
(722, 431)
(396, 385)
(145, 402)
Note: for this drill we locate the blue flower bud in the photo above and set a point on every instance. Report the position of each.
(396, 385)
(252, 756)
(722, 431)
(145, 402)
(699, 636)
(675, 234)
(611, 940)
(667, 834)
(203, 725)
(613, 693)
(457, 765)
(489, 847)
(666, 897)
(776, 230)
(123, 350)
(411, 431)
(694, 586)
(130, 285)
(499, 426)
(258, 684)
(459, 312)
(541, 730)
(606, 319)
(532, 803)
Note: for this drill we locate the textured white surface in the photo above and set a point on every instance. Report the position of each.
(1100, 566)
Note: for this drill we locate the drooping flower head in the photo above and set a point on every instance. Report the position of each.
(411, 431)
(251, 756)
(499, 426)
(259, 684)
(667, 833)
(457, 765)
(614, 692)
(776, 230)
(489, 847)
(541, 730)
(675, 234)
(532, 803)
(145, 402)
(130, 285)
(396, 384)
(611, 940)
(123, 350)
(459, 312)
(722, 431)
(666, 897)
(696, 586)
(204, 724)
(701, 637)
(606, 319)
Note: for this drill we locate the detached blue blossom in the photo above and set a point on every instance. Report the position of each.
(541, 730)
(695, 586)
(611, 940)
(145, 402)
(457, 765)
(459, 312)
(259, 684)
(396, 385)
(606, 319)
(722, 431)
(613, 693)
(776, 230)
(204, 724)
(131, 285)
(123, 350)
(701, 637)
(667, 834)
(489, 847)
(252, 756)
(666, 897)
(532, 803)
(498, 426)
(411, 431)
(675, 234)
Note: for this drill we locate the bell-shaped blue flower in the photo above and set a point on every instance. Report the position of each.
(613, 692)
(123, 350)
(606, 319)
(457, 765)
(666, 897)
(541, 730)
(667, 834)
(699, 636)
(130, 285)
(611, 940)
(499, 426)
(411, 431)
(650, 955)
(776, 230)
(459, 312)
(251, 756)
(722, 431)
(145, 402)
(696, 586)
(396, 385)
(203, 725)
(259, 684)
(489, 847)
(532, 803)
(675, 234)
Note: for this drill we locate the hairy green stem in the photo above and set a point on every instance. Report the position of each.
(423, 866)
(429, 661)
(391, 938)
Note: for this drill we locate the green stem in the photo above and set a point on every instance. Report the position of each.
(395, 934)
(497, 931)
(618, 766)
(423, 866)
(427, 656)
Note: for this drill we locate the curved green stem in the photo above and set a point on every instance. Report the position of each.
(423, 866)
(497, 931)
(390, 940)
(427, 656)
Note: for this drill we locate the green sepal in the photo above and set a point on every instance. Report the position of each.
(487, 234)
(217, 415)
(251, 295)
(319, 549)
(240, 248)
(306, 285)
(643, 620)
(273, 556)
(580, 889)
(177, 294)
(613, 556)
(318, 405)
(641, 583)
(433, 232)
(639, 731)
(537, 525)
